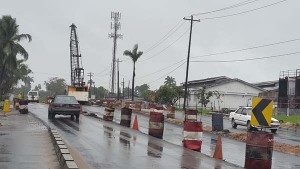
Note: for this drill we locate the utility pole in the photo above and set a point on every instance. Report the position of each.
(94, 90)
(123, 89)
(115, 26)
(90, 82)
(188, 61)
(128, 89)
(118, 94)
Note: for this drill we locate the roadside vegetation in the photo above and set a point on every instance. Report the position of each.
(13, 56)
(284, 118)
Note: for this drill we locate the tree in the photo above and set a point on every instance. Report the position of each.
(9, 49)
(55, 86)
(218, 97)
(139, 90)
(134, 55)
(166, 94)
(101, 92)
(204, 96)
(169, 80)
(38, 87)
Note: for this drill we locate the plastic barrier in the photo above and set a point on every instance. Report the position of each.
(217, 121)
(192, 135)
(191, 115)
(171, 113)
(259, 150)
(126, 117)
(156, 124)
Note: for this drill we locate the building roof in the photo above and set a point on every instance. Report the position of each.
(268, 85)
(217, 81)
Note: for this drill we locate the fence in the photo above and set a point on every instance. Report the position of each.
(283, 111)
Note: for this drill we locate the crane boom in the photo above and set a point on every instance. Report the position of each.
(78, 89)
(77, 72)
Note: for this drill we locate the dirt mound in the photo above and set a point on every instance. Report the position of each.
(285, 148)
(238, 136)
(289, 125)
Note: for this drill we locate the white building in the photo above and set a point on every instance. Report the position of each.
(232, 93)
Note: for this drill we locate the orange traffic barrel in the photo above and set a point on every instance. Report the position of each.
(126, 117)
(159, 107)
(217, 121)
(138, 107)
(259, 150)
(156, 124)
(171, 113)
(109, 112)
(152, 106)
(192, 135)
(191, 115)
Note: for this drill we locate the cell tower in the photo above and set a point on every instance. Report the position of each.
(115, 26)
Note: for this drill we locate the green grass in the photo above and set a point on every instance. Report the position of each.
(293, 119)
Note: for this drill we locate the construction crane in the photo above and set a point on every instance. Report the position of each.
(78, 89)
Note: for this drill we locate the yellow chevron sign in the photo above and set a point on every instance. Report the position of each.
(261, 112)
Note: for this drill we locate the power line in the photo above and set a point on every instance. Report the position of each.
(167, 73)
(242, 60)
(244, 49)
(226, 8)
(255, 9)
(160, 69)
(103, 70)
(167, 46)
(165, 37)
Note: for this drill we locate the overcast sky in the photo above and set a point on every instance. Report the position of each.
(145, 23)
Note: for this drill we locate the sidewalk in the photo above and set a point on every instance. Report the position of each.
(25, 143)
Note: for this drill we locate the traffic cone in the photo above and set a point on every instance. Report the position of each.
(135, 123)
(6, 107)
(218, 151)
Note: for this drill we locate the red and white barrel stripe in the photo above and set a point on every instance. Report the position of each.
(108, 114)
(192, 135)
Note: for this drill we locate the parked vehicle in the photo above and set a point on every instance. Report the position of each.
(64, 105)
(33, 96)
(242, 117)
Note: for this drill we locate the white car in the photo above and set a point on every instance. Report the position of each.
(242, 117)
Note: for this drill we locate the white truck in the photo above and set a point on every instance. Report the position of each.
(33, 96)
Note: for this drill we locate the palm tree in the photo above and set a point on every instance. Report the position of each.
(134, 55)
(10, 48)
(169, 80)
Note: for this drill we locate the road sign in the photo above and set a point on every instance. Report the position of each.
(261, 112)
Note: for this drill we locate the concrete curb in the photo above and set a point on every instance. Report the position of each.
(65, 159)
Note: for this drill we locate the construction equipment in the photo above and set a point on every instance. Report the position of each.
(78, 89)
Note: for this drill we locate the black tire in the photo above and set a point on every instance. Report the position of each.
(52, 115)
(72, 116)
(77, 116)
(273, 131)
(233, 124)
(249, 127)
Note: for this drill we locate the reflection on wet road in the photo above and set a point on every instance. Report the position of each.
(233, 151)
(282, 135)
(108, 145)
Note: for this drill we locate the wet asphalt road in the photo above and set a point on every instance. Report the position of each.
(282, 135)
(108, 145)
(233, 151)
